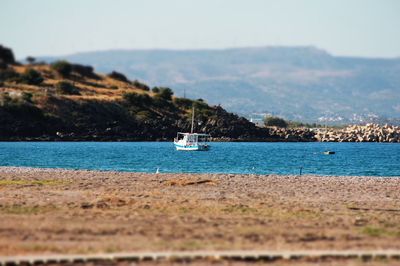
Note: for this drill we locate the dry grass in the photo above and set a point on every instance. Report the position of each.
(190, 182)
(106, 89)
(50, 182)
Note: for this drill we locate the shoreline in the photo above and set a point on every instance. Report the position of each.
(221, 140)
(351, 133)
(143, 140)
(170, 140)
(27, 169)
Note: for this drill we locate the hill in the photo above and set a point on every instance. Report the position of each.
(66, 101)
(300, 83)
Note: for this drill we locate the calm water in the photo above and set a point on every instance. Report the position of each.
(374, 159)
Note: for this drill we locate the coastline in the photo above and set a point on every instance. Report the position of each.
(29, 169)
(81, 211)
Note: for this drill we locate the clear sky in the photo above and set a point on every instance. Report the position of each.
(342, 27)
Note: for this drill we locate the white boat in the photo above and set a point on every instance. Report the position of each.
(192, 141)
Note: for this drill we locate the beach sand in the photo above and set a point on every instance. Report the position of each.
(64, 211)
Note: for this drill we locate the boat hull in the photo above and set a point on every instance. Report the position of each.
(191, 147)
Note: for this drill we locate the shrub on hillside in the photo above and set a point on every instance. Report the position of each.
(27, 97)
(140, 85)
(296, 124)
(31, 77)
(65, 87)
(164, 93)
(118, 76)
(30, 59)
(183, 102)
(5, 99)
(6, 55)
(64, 68)
(273, 121)
(20, 110)
(8, 74)
(84, 71)
(144, 115)
(16, 99)
(137, 99)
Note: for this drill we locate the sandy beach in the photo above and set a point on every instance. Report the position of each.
(64, 211)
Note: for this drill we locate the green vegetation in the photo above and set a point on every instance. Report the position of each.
(6, 55)
(22, 110)
(379, 232)
(84, 71)
(8, 74)
(30, 60)
(16, 101)
(31, 77)
(144, 116)
(241, 209)
(118, 76)
(62, 67)
(296, 124)
(51, 182)
(140, 85)
(27, 97)
(5, 99)
(183, 102)
(164, 93)
(192, 245)
(65, 87)
(274, 121)
(374, 231)
(65, 70)
(137, 99)
(18, 209)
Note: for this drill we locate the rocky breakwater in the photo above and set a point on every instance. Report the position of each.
(357, 133)
(292, 134)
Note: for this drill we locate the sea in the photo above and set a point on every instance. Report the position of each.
(353, 159)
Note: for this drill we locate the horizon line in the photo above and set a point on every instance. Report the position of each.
(213, 49)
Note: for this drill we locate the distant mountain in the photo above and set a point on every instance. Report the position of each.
(302, 83)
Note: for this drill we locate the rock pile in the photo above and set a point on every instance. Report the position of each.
(356, 133)
(292, 134)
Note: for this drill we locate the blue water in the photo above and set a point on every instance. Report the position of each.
(372, 159)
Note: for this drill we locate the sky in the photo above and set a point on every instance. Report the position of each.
(368, 28)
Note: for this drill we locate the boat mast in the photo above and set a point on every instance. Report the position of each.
(191, 130)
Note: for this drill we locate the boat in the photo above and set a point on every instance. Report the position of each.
(329, 152)
(192, 141)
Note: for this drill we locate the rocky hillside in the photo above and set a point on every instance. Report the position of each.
(298, 83)
(65, 101)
